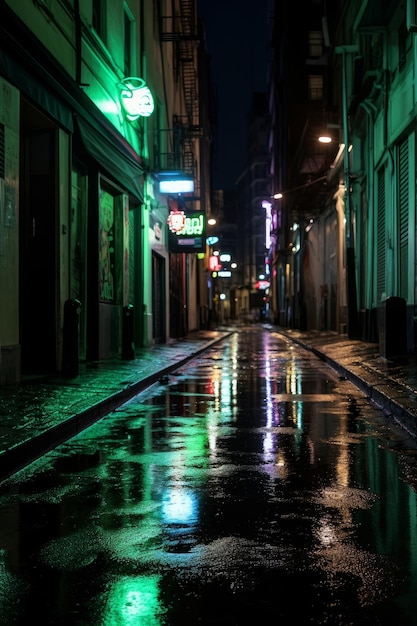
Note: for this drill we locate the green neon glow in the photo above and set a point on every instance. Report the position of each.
(193, 226)
(136, 98)
(133, 601)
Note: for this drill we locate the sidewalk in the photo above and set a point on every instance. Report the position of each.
(391, 383)
(39, 415)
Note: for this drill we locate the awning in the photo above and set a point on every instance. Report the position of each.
(28, 84)
(40, 78)
(114, 155)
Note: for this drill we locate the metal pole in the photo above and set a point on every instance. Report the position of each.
(351, 297)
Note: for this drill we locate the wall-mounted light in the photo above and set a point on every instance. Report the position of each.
(325, 139)
(136, 98)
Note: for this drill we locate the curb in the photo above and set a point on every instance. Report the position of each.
(21, 455)
(403, 416)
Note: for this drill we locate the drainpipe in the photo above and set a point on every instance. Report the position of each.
(352, 307)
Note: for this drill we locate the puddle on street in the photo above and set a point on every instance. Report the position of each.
(209, 498)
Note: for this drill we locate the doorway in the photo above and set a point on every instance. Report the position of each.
(38, 237)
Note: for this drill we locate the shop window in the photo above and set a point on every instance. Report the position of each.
(107, 247)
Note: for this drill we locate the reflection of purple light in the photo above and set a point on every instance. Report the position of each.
(178, 506)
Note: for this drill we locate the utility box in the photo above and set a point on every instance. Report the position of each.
(70, 340)
(392, 326)
(128, 346)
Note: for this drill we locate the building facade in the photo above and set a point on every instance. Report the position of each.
(98, 101)
(345, 256)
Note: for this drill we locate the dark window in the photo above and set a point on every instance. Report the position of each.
(128, 45)
(99, 18)
(404, 45)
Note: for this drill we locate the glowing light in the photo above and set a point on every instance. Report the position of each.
(176, 221)
(136, 98)
(180, 224)
(134, 600)
(178, 506)
(176, 185)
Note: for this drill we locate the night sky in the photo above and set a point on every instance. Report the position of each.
(237, 41)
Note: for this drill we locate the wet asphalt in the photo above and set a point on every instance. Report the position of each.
(39, 414)
(252, 484)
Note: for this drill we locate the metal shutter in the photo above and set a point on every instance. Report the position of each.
(380, 239)
(403, 182)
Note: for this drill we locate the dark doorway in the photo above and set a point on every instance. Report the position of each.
(38, 237)
(158, 298)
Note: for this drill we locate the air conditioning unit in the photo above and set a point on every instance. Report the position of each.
(411, 16)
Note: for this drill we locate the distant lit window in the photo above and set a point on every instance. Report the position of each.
(315, 87)
(315, 43)
(99, 18)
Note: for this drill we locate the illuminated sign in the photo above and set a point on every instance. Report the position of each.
(183, 185)
(136, 98)
(175, 183)
(262, 284)
(176, 221)
(214, 264)
(186, 230)
(225, 274)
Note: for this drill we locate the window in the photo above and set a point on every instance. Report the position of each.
(129, 70)
(315, 43)
(315, 87)
(107, 250)
(99, 18)
(404, 45)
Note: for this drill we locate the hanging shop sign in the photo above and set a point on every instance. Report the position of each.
(186, 230)
(175, 183)
(214, 265)
(136, 98)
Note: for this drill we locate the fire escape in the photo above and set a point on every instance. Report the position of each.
(181, 30)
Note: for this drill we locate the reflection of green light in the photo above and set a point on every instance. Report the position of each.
(134, 601)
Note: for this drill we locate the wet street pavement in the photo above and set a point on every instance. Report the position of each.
(254, 485)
